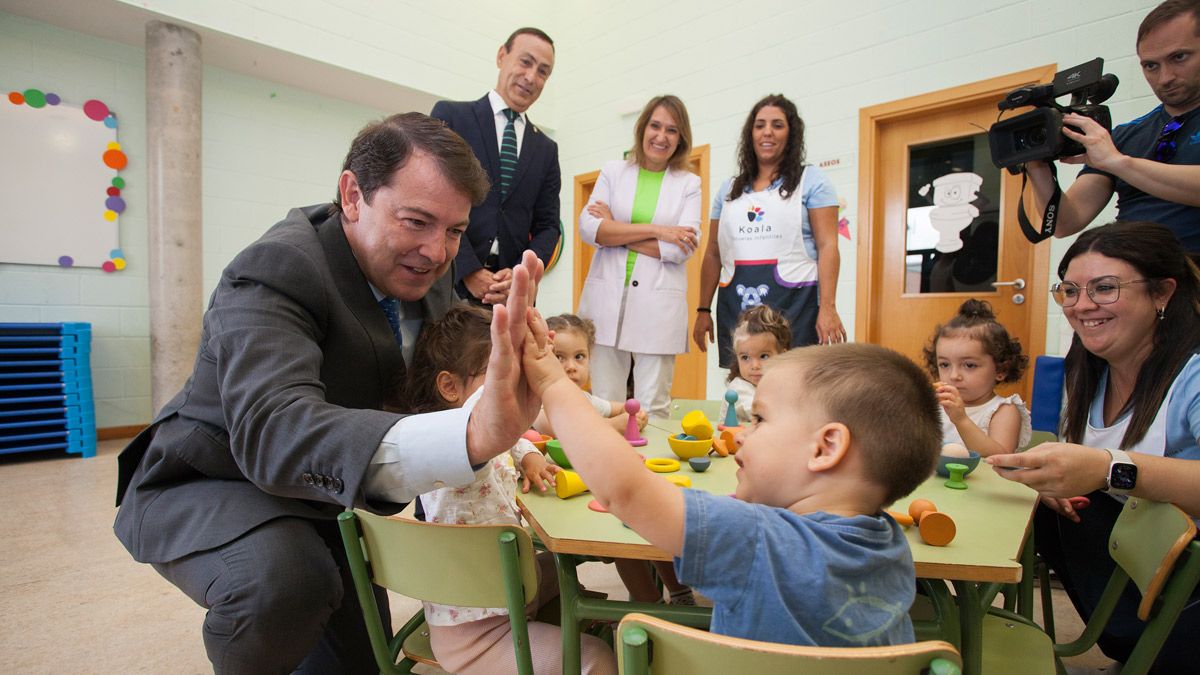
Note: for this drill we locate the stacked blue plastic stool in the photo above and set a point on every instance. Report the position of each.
(46, 400)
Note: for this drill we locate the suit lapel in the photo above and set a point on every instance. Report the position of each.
(487, 134)
(354, 290)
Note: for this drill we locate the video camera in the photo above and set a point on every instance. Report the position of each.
(1037, 134)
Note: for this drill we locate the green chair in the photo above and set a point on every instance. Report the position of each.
(683, 406)
(1153, 545)
(652, 645)
(466, 565)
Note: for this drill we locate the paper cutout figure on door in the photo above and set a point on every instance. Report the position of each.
(953, 210)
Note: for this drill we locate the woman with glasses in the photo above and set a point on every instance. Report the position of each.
(1132, 420)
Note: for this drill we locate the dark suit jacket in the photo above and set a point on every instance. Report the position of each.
(281, 415)
(528, 218)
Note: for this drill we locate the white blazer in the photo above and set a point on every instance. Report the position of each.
(655, 320)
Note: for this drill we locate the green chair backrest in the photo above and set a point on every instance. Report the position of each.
(683, 406)
(1039, 437)
(1146, 541)
(651, 645)
(465, 565)
(446, 564)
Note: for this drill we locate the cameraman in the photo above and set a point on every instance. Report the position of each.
(1153, 162)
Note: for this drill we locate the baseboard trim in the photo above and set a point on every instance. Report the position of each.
(127, 431)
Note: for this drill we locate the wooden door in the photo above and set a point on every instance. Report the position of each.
(910, 275)
(691, 369)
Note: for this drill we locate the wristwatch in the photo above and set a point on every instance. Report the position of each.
(1122, 473)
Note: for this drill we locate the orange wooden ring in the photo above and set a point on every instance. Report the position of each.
(937, 528)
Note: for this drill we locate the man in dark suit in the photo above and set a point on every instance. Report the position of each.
(232, 492)
(521, 211)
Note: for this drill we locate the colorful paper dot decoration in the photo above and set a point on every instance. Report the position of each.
(95, 110)
(53, 99)
(119, 263)
(108, 266)
(115, 159)
(110, 121)
(34, 98)
(113, 192)
(110, 216)
(119, 183)
(65, 261)
(113, 146)
(16, 97)
(115, 204)
(116, 253)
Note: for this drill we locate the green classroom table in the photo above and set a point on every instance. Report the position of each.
(993, 518)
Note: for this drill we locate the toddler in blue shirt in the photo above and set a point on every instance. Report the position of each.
(804, 554)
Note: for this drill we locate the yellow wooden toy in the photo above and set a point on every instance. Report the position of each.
(695, 424)
(568, 484)
(662, 464)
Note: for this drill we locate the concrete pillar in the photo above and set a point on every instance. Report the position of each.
(174, 73)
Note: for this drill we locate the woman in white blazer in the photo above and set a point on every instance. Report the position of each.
(644, 220)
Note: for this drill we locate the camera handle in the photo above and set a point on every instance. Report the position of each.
(1049, 218)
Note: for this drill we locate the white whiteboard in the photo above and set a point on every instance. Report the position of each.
(59, 183)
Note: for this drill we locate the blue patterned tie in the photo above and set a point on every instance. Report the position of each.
(508, 153)
(391, 309)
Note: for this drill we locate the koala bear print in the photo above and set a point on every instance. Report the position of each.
(752, 295)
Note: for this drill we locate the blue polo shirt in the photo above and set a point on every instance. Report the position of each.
(1137, 139)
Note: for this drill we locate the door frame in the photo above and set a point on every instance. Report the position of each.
(868, 310)
(691, 368)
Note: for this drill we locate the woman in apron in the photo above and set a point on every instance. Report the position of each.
(772, 236)
(1133, 386)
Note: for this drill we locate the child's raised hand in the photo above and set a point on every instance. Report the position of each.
(536, 471)
(541, 366)
(951, 401)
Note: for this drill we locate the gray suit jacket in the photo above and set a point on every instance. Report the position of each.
(281, 415)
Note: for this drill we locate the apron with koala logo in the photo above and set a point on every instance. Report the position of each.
(767, 256)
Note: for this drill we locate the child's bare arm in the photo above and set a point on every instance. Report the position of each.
(614, 473)
(1005, 429)
(541, 424)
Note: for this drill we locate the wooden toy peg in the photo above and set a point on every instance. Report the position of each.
(731, 419)
(632, 434)
(937, 528)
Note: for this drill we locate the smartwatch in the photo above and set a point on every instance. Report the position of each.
(1122, 473)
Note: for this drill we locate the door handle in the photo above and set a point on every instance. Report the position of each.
(1017, 284)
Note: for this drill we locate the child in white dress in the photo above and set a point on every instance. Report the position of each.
(760, 333)
(448, 365)
(576, 338)
(968, 356)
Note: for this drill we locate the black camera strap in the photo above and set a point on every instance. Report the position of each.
(1049, 218)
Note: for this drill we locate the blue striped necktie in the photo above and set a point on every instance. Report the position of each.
(508, 153)
(391, 309)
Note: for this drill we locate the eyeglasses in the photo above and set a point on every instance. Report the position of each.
(1164, 147)
(1102, 290)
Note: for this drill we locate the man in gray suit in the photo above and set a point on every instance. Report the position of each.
(232, 492)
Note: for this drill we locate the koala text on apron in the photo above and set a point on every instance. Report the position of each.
(767, 256)
(1153, 443)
